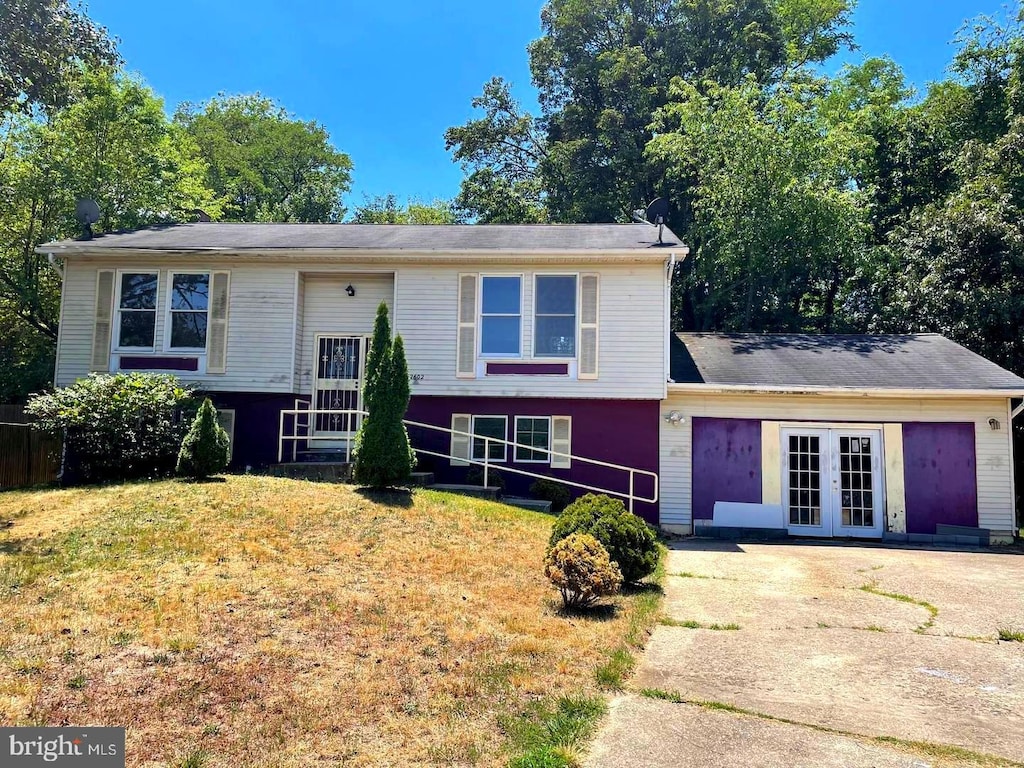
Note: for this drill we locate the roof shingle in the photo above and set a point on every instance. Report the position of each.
(385, 237)
(924, 361)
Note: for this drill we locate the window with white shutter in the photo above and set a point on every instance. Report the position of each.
(461, 440)
(217, 332)
(465, 366)
(561, 441)
(103, 320)
(589, 317)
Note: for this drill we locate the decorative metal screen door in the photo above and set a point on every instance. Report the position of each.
(340, 361)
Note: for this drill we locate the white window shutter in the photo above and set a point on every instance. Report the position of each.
(217, 332)
(561, 441)
(461, 422)
(103, 320)
(465, 367)
(589, 298)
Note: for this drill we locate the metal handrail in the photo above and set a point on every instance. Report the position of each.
(486, 462)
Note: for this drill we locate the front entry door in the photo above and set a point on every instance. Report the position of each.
(337, 386)
(833, 482)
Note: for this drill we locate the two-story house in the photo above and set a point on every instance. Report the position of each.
(545, 349)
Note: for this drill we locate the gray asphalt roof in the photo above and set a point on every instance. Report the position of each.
(912, 361)
(387, 237)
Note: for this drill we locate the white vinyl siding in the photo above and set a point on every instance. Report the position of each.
(263, 326)
(995, 501)
(630, 306)
(327, 309)
(259, 325)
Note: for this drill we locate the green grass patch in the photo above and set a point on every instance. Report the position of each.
(933, 612)
(550, 736)
(691, 624)
(1011, 635)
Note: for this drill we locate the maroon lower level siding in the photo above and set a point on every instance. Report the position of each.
(257, 425)
(726, 463)
(616, 431)
(940, 475)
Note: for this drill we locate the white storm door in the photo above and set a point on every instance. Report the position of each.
(337, 386)
(857, 483)
(808, 497)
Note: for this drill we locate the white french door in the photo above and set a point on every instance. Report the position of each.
(832, 482)
(340, 363)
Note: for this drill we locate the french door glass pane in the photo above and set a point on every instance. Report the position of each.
(805, 480)
(856, 482)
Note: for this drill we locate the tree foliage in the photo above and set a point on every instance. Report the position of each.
(263, 164)
(114, 145)
(383, 454)
(384, 209)
(43, 46)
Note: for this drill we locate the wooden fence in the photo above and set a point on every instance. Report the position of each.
(27, 457)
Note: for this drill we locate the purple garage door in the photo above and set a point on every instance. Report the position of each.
(726, 463)
(940, 475)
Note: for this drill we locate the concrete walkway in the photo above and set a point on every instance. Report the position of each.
(847, 643)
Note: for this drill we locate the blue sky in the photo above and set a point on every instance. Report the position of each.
(387, 78)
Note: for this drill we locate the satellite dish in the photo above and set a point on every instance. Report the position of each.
(657, 214)
(87, 212)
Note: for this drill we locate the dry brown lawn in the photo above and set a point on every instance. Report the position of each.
(272, 622)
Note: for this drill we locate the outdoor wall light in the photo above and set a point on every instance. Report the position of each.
(675, 418)
(350, 290)
(993, 424)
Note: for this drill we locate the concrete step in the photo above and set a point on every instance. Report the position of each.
(422, 479)
(478, 491)
(537, 505)
(322, 471)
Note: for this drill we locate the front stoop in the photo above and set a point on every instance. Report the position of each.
(477, 491)
(536, 505)
(320, 471)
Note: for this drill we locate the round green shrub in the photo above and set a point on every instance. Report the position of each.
(553, 491)
(117, 427)
(204, 451)
(582, 570)
(629, 540)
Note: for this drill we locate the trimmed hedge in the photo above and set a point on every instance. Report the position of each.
(630, 542)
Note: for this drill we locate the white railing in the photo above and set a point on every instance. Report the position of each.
(488, 464)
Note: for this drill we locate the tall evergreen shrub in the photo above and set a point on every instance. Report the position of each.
(383, 455)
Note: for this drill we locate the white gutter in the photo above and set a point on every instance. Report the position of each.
(753, 389)
(670, 269)
(365, 254)
(1017, 411)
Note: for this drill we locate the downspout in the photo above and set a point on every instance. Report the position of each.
(54, 265)
(670, 268)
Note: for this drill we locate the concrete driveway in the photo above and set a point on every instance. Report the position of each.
(844, 655)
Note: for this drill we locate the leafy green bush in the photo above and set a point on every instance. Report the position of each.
(117, 427)
(629, 540)
(553, 491)
(383, 455)
(475, 476)
(204, 451)
(582, 570)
